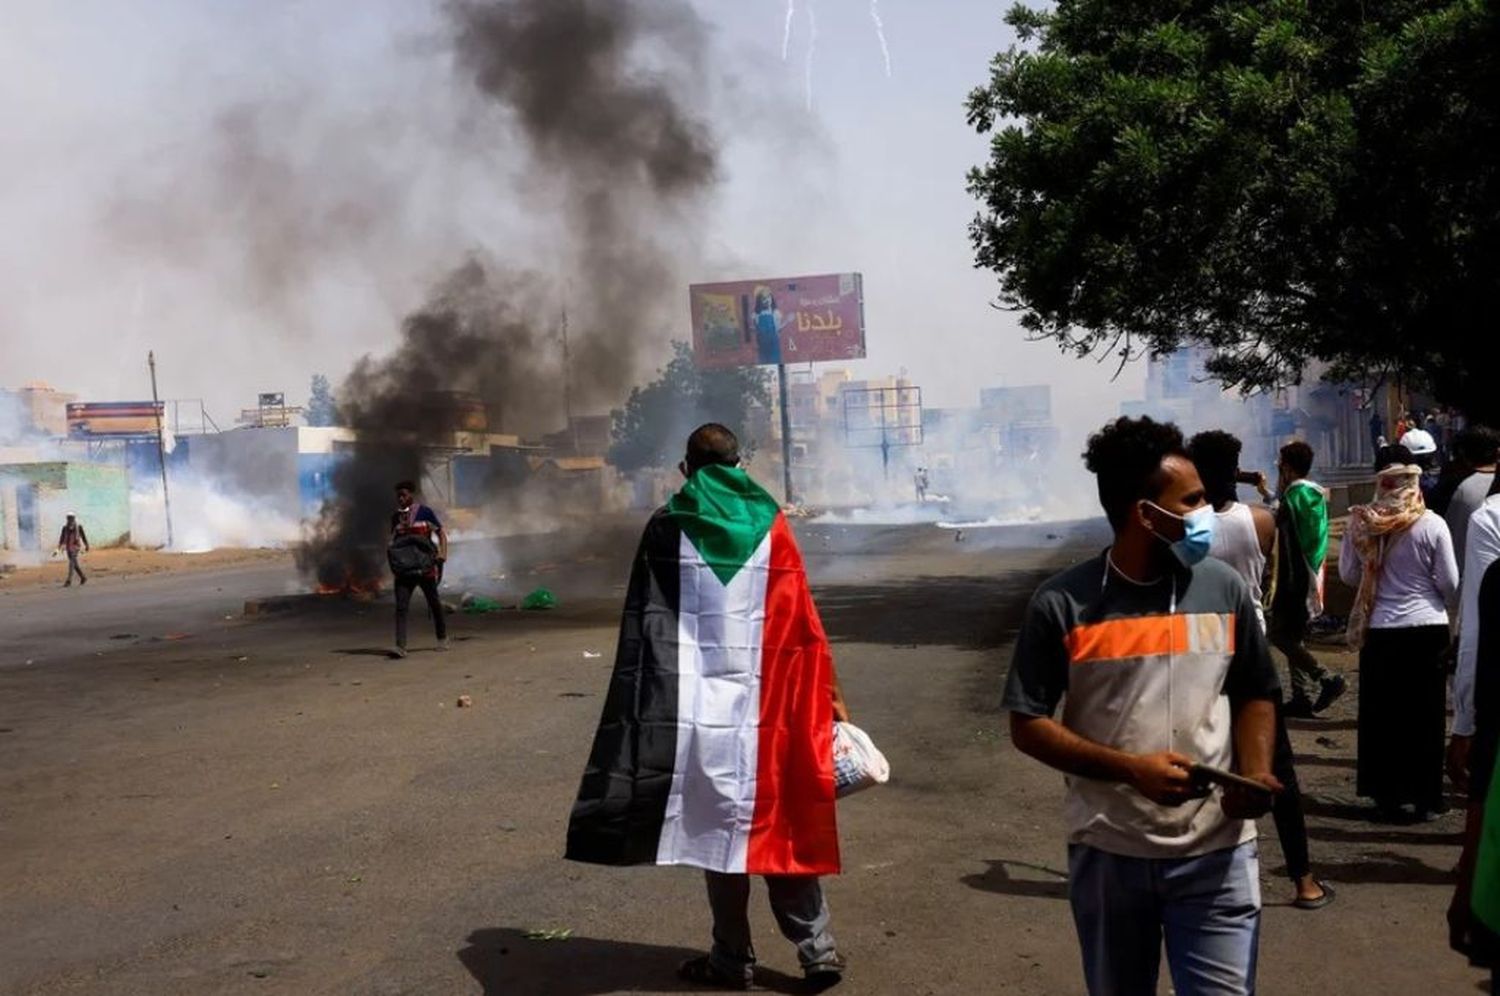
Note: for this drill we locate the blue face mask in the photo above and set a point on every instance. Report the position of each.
(1197, 533)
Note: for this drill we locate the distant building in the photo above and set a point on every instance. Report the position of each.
(36, 498)
(34, 409)
(1333, 418)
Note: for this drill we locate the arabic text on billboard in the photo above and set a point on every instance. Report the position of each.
(113, 418)
(785, 320)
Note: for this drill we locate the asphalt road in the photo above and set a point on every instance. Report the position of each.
(269, 806)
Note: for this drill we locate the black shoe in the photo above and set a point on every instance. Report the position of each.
(825, 975)
(702, 972)
(1298, 708)
(1333, 687)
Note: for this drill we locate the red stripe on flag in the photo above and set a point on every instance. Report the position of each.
(794, 830)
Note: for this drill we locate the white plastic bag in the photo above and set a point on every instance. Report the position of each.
(857, 764)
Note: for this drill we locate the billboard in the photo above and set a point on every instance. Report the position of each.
(113, 418)
(783, 320)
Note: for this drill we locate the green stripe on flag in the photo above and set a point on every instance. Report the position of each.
(1308, 507)
(725, 515)
(1486, 900)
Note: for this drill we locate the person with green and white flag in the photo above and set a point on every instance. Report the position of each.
(1301, 551)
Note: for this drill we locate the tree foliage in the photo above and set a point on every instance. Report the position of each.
(654, 424)
(322, 407)
(1283, 181)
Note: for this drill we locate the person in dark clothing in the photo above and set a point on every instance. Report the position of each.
(1245, 538)
(417, 526)
(1474, 771)
(1302, 548)
(75, 541)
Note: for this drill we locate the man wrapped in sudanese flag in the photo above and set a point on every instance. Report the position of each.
(715, 747)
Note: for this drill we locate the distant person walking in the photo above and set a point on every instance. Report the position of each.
(74, 541)
(1245, 539)
(417, 552)
(1398, 554)
(1301, 549)
(921, 481)
(1474, 457)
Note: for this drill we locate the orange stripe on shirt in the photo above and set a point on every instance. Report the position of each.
(1151, 636)
(1137, 636)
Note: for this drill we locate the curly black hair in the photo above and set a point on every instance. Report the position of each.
(1217, 456)
(1126, 457)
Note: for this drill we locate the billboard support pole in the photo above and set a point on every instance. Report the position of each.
(786, 435)
(161, 446)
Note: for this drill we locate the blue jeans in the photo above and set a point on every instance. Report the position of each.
(1208, 908)
(800, 910)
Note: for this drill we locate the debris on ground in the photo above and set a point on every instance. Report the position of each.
(477, 604)
(541, 598)
(465, 701)
(589, 655)
(553, 934)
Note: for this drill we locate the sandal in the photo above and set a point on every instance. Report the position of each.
(701, 971)
(1316, 904)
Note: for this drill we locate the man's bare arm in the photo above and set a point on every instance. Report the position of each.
(1254, 735)
(1161, 777)
(840, 709)
(1254, 745)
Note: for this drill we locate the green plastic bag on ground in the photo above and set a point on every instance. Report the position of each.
(479, 604)
(539, 599)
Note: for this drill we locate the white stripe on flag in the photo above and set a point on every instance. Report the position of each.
(719, 629)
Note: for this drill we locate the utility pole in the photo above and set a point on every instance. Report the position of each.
(786, 435)
(161, 446)
(568, 383)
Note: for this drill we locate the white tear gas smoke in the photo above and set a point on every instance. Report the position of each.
(885, 50)
(208, 516)
(812, 51)
(603, 97)
(786, 30)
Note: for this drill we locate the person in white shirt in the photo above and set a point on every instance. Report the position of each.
(1476, 718)
(1400, 556)
(1244, 537)
(1474, 452)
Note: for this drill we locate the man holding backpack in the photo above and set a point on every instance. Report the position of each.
(417, 552)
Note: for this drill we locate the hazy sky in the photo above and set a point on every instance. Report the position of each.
(260, 189)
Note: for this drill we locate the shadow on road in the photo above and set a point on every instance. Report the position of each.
(1321, 725)
(1037, 881)
(1386, 868)
(970, 613)
(1316, 760)
(506, 963)
(1339, 835)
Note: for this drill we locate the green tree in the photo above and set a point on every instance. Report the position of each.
(649, 431)
(1283, 181)
(322, 407)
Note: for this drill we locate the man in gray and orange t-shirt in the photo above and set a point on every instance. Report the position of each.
(1155, 653)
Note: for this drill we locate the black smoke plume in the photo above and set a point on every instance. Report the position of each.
(602, 98)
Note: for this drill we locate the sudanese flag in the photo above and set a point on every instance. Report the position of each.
(1486, 894)
(715, 748)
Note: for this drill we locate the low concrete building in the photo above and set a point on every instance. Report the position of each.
(36, 498)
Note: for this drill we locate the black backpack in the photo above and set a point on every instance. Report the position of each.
(411, 554)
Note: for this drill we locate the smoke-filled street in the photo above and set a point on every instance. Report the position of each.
(269, 805)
